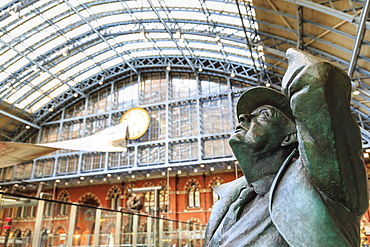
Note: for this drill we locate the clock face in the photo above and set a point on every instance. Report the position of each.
(138, 121)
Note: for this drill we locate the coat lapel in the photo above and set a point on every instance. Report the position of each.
(228, 193)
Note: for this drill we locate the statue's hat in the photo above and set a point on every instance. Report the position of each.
(255, 97)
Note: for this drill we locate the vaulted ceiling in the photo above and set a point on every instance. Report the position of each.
(53, 52)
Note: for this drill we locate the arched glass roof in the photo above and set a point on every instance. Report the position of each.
(51, 48)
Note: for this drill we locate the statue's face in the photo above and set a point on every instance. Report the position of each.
(261, 131)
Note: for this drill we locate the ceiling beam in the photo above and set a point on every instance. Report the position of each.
(248, 41)
(329, 11)
(19, 119)
(359, 38)
(299, 22)
(101, 36)
(171, 35)
(17, 8)
(41, 67)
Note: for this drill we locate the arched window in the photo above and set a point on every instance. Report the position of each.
(27, 237)
(17, 235)
(193, 196)
(63, 207)
(32, 211)
(89, 199)
(149, 202)
(114, 198)
(164, 200)
(48, 209)
(149, 199)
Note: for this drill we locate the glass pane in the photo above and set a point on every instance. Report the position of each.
(212, 84)
(184, 151)
(23, 171)
(183, 119)
(216, 115)
(95, 125)
(67, 164)
(49, 133)
(152, 154)
(44, 168)
(216, 148)
(121, 159)
(71, 130)
(99, 102)
(76, 110)
(183, 85)
(157, 127)
(107, 228)
(93, 161)
(153, 88)
(84, 227)
(126, 94)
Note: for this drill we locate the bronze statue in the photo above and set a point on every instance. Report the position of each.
(304, 179)
(134, 203)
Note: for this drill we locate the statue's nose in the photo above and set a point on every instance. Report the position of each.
(245, 118)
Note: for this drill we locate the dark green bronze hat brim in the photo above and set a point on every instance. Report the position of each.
(255, 97)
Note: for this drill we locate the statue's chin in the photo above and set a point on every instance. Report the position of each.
(234, 139)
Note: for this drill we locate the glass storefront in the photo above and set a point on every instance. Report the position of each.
(27, 221)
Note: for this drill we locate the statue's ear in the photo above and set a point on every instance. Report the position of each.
(289, 139)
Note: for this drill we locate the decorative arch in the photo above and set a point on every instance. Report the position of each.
(190, 182)
(114, 197)
(215, 181)
(17, 233)
(148, 184)
(44, 236)
(58, 231)
(128, 187)
(28, 232)
(125, 226)
(113, 190)
(63, 196)
(27, 236)
(164, 184)
(89, 197)
(143, 225)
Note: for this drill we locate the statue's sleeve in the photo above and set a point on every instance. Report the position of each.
(329, 139)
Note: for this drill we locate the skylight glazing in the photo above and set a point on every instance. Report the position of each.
(51, 45)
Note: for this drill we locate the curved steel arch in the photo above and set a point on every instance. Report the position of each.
(244, 73)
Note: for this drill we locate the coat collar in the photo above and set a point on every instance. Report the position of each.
(228, 193)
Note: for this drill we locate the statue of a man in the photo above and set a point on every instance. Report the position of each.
(134, 203)
(304, 179)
